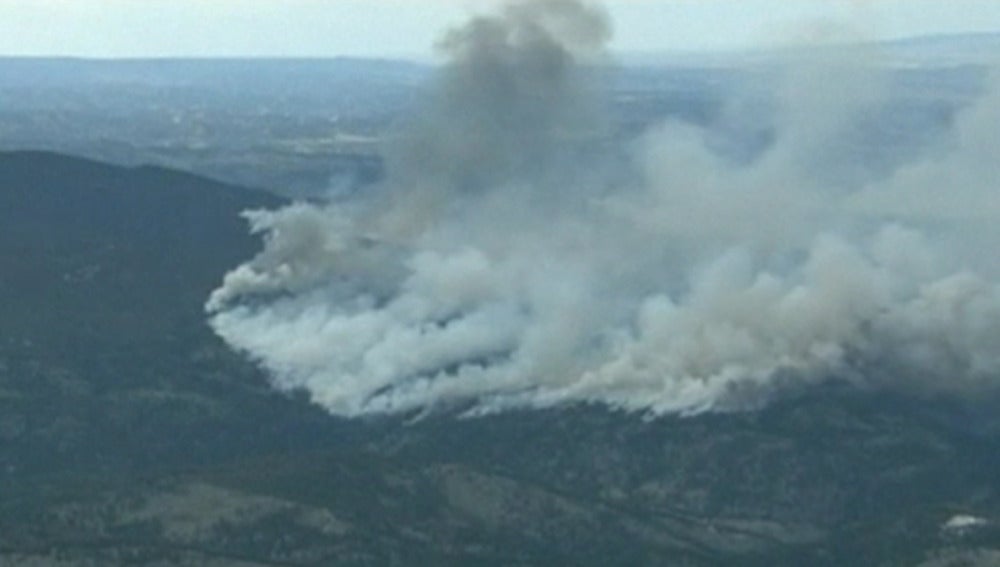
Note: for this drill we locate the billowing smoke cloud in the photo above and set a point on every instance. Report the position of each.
(502, 266)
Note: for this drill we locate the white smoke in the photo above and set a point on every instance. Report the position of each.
(499, 267)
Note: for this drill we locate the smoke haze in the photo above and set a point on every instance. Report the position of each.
(501, 265)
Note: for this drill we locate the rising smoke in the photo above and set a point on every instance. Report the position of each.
(500, 265)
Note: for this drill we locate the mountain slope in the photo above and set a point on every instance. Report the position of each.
(120, 245)
(130, 435)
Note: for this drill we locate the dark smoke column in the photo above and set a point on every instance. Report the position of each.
(513, 93)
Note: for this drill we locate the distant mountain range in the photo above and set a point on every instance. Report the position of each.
(943, 50)
(63, 71)
(978, 48)
(130, 435)
(973, 47)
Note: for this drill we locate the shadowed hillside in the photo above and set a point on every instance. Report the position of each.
(129, 434)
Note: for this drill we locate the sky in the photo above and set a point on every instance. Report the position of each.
(408, 28)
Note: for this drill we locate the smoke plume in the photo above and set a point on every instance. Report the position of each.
(504, 263)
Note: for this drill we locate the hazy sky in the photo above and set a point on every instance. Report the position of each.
(123, 28)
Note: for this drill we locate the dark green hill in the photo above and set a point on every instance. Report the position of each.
(91, 254)
(105, 358)
(129, 434)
